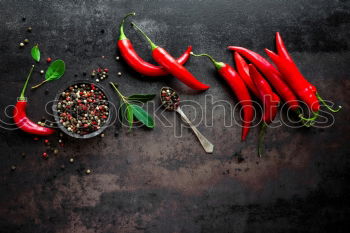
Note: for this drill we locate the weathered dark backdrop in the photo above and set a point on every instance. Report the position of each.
(148, 180)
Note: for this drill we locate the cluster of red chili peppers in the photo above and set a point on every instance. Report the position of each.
(285, 78)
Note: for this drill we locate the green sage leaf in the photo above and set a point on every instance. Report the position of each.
(55, 71)
(129, 115)
(36, 53)
(142, 116)
(141, 98)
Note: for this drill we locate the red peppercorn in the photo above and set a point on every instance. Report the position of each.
(36, 139)
(45, 155)
(46, 141)
(106, 70)
(48, 60)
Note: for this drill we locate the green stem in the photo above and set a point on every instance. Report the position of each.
(153, 46)
(118, 92)
(326, 105)
(261, 139)
(121, 28)
(21, 97)
(38, 85)
(217, 64)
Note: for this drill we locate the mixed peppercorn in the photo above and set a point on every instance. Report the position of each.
(83, 108)
(100, 74)
(170, 99)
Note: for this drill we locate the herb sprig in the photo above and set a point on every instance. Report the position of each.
(134, 111)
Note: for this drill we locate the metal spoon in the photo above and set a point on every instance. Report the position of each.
(171, 101)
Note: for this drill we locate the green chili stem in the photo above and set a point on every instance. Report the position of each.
(21, 97)
(38, 85)
(119, 93)
(121, 28)
(261, 139)
(326, 105)
(217, 64)
(153, 46)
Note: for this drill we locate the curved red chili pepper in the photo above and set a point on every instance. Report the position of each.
(161, 56)
(270, 101)
(129, 54)
(291, 74)
(243, 71)
(20, 117)
(268, 97)
(270, 73)
(238, 87)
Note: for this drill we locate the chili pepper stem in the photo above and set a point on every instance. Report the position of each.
(217, 64)
(153, 45)
(261, 139)
(121, 28)
(21, 97)
(326, 105)
(124, 99)
(308, 122)
(38, 85)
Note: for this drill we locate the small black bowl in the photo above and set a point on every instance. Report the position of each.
(90, 135)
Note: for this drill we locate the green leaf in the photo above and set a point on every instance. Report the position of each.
(55, 71)
(129, 115)
(36, 53)
(141, 98)
(142, 116)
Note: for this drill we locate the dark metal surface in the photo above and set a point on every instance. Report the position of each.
(148, 180)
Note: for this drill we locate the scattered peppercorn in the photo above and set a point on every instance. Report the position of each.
(29, 29)
(42, 71)
(117, 58)
(102, 135)
(48, 60)
(24, 19)
(88, 171)
(71, 160)
(26, 41)
(45, 155)
(120, 73)
(21, 44)
(23, 154)
(13, 167)
(55, 151)
(62, 167)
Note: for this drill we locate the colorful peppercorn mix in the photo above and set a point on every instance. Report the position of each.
(170, 99)
(83, 109)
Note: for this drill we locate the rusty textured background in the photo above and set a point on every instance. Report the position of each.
(148, 180)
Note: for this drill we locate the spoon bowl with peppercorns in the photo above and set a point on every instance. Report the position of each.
(82, 110)
(171, 101)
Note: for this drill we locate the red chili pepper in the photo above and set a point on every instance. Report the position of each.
(270, 101)
(238, 87)
(259, 86)
(270, 73)
(291, 74)
(161, 56)
(136, 62)
(20, 117)
(243, 71)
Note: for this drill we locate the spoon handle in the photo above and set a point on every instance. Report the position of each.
(207, 145)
